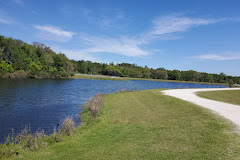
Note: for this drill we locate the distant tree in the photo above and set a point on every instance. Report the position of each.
(58, 63)
(112, 71)
(19, 42)
(38, 44)
(38, 60)
(5, 68)
(146, 73)
(161, 68)
(174, 75)
(82, 67)
(159, 74)
(111, 64)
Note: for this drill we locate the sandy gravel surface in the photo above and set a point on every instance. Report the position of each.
(229, 111)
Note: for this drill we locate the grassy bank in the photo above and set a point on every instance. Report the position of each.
(100, 77)
(16, 145)
(232, 97)
(146, 125)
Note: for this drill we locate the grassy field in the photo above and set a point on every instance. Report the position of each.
(100, 77)
(147, 125)
(232, 97)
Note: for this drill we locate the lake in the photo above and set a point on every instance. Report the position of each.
(43, 103)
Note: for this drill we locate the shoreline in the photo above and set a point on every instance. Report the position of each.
(140, 119)
(105, 77)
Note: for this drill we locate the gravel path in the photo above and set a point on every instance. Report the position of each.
(229, 111)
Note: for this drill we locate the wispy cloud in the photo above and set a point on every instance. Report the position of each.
(76, 54)
(173, 23)
(4, 18)
(54, 33)
(105, 18)
(219, 57)
(124, 46)
(80, 55)
(163, 28)
(133, 47)
(5, 21)
(66, 10)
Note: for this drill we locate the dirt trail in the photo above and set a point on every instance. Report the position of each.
(229, 111)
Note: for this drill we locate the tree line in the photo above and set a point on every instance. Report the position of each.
(134, 71)
(21, 60)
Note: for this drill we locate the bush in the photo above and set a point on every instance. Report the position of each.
(43, 74)
(30, 141)
(57, 137)
(67, 126)
(91, 110)
(64, 73)
(26, 140)
(18, 74)
(95, 104)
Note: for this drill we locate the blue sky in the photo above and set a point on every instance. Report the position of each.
(201, 35)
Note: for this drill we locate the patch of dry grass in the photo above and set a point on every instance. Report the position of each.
(25, 140)
(95, 104)
(67, 126)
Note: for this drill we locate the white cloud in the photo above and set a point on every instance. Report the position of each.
(4, 18)
(133, 47)
(124, 46)
(107, 19)
(76, 54)
(163, 28)
(219, 57)
(80, 55)
(54, 33)
(171, 24)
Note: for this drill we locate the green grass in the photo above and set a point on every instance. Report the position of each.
(231, 96)
(99, 77)
(147, 125)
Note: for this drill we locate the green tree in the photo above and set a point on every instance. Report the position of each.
(159, 74)
(34, 68)
(58, 63)
(5, 67)
(174, 75)
(112, 71)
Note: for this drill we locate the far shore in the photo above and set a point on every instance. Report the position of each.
(106, 77)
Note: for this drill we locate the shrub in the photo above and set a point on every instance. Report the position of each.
(95, 104)
(67, 126)
(43, 74)
(57, 137)
(18, 74)
(29, 140)
(26, 140)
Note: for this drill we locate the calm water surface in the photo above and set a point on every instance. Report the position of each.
(42, 104)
